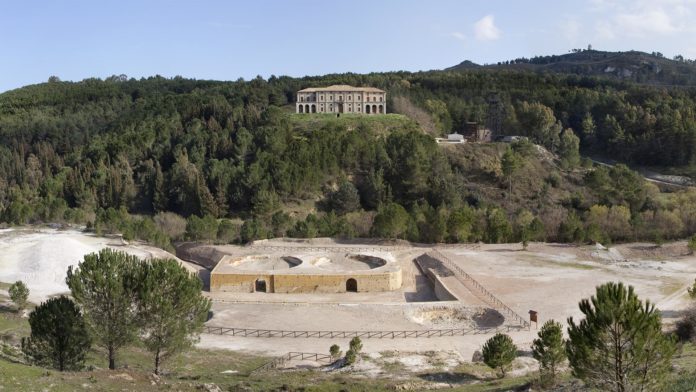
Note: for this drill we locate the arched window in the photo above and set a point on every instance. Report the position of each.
(314, 108)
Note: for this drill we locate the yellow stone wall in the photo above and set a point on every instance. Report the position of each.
(305, 283)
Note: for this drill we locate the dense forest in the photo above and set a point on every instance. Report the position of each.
(171, 159)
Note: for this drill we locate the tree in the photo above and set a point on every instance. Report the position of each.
(569, 149)
(549, 349)
(19, 293)
(510, 163)
(692, 244)
(499, 352)
(171, 307)
(619, 345)
(59, 336)
(104, 286)
(355, 345)
(350, 357)
(335, 351)
(345, 199)
(390, 222)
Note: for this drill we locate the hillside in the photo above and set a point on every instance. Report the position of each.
(173, 159)
(632, 66)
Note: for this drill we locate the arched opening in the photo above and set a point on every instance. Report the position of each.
(381, 109)
(306, 108)
(314, 108)
(260, 286)
(374, 109)
(352, 285)
(367, 109)
(301, 108)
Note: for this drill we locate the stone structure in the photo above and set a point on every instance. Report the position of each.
(304, 274)
(341, 99)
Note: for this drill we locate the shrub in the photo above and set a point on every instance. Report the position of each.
(19, 293)
(350, 358)
(335, 351)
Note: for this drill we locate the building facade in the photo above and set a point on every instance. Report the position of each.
(341, 99)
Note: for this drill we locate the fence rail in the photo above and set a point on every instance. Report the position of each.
(276, 362)
(422, 333)
(477, 288)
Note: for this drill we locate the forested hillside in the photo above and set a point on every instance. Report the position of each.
(168, 159)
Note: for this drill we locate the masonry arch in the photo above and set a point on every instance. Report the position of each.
(301, 107)
(260, 285)
(351, 285)
(381, 109)
(314, 108)
(367, 109)
(374, 109)
(306, 108)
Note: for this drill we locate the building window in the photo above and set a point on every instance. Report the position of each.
(330, 97)
(321, 97)
(301, 99)
(380, 99)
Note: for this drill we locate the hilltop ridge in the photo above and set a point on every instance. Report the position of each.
(635, 66)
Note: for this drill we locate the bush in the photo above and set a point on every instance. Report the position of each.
(350, 358)
(228, 232)
(335, 351)
(356, 345)
(686, 326)
(19, 293)
(171, 224)
(201, 229)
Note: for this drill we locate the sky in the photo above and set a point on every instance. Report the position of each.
(227, 40)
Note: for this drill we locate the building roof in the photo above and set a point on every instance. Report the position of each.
(341, 87)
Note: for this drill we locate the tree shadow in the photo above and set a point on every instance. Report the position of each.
(8, 310)
(452, 377)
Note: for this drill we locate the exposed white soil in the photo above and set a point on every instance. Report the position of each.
(41, 257)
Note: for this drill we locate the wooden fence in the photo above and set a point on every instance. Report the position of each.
(424, 333)
(276, 362)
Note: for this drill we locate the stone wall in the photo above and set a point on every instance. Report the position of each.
(306, 283)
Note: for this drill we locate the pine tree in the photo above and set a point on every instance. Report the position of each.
(103, 285)
(510, 163)
(499, 352)
(549, 349)
(619, 346)
(59, 336)
(171, 307)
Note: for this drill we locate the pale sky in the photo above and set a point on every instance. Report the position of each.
(226, 40)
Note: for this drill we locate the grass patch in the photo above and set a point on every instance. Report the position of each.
(380, 123)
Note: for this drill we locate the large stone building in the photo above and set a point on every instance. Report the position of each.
(342, 99)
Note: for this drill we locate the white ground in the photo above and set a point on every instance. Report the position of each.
(549, 278)
(41, 257)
